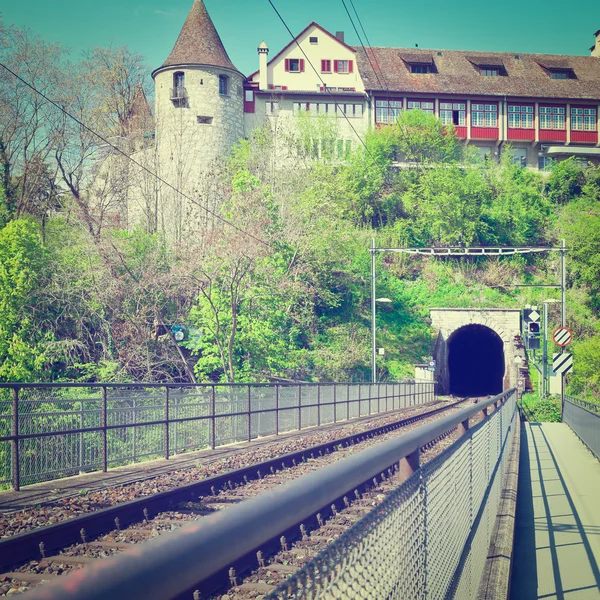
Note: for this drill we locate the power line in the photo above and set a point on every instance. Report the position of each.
(141, 166)
(361, 42)
(317, 74)
(371, 47)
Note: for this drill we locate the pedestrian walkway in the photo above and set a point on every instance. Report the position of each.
(557, 536)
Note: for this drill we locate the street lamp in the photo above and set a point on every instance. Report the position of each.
(373, 338)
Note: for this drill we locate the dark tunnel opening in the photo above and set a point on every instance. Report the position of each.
(475, 361)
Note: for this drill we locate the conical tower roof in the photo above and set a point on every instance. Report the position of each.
(199, 43)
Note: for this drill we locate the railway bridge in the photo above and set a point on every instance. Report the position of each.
(422, 497)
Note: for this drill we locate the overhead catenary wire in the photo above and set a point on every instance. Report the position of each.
(295, 39)
(130, 158)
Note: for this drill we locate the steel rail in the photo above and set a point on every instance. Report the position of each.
(25, 546)
(174, 565)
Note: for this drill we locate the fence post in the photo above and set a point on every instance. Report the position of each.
(347, 402)
(81, 435)
(299, 407)
(104, 432)
(335, 402)
(213, 409)
(359, 399)
(16, 466)
(134, 429)
(276, 409)
(319, 404)
(249, 417)
(167, 422)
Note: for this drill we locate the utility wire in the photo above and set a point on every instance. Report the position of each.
(361, 42)
(318, 75)
(141, 166)
(386, 87)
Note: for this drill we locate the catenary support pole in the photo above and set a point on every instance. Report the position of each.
(563, 280)
(373, 340)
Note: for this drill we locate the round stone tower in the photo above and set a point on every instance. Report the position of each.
(199, 115)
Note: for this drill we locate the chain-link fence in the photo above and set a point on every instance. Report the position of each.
(584, 419)
(430, 537)
(48, 431)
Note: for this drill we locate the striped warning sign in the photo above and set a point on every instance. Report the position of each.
(562, 363)
(562, 336)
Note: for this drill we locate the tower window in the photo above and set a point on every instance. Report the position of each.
(179, 80)
(204, 120)
(223, 85)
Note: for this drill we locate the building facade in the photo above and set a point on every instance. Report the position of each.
(542, 107)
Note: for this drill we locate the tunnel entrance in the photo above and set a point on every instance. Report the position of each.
(475, 361)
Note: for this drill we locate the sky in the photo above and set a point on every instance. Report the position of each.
(150, 27)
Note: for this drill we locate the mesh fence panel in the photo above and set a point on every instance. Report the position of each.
(584, 419)
(135, 416)
(428, 538)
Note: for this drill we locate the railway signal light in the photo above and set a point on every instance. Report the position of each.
(533, 328)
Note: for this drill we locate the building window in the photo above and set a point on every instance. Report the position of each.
(552, 117)
(294, 65)
(424, 106)
(583, 119)
(484, 115)
(343, 66)
(325, 66)
(249, 95)
(272, 108)
(545, 163)
(453, 113)
(520, 117)
(179, 80)
(223, 85)
(419, 69)
(490, 72)
(204, 120)
(559, 74)
(519, 157)
(387, 111)
(313, 40)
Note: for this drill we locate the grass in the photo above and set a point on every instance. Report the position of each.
(544, 410)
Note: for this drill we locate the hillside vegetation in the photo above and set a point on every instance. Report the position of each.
(285, 291)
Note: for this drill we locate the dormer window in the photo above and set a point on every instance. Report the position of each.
(223, 85)
(488, 66)
(418, 62)
(562, 74)
(420, 69)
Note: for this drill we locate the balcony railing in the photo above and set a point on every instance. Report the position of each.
(178, 93)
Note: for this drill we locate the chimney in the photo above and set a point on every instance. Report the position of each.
(263, 52)
(596, 47)
(340, 36)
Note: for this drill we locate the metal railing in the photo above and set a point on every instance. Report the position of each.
(428, 538)
(48, 431)
(584, 419)
(178, 93)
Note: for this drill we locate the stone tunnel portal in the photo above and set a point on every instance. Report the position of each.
(475, 361)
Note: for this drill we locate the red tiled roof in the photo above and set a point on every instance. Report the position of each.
(456, 73)
(199, 43)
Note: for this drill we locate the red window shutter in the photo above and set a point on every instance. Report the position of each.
(301, 65)
(322, 89)
(323, 66)
(350, 66)
(287, 64)
(335, 66)
(284, 87)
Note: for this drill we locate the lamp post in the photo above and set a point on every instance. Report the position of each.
(374, 301)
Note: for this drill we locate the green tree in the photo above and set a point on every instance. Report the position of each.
(23, 268)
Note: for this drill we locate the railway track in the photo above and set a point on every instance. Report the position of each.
(43, 554)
